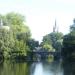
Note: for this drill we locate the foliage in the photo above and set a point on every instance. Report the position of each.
(58, 44)
(72, 27)
(68, 51)
(17, 23)
(53, 39)
(6, 41)
(24, 36)
(20, 48)
(15, 18)
(48, 47)
(15, 39)
(32, 44)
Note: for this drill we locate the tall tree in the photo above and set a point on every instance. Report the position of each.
(16, 38)
(32, 44)
(53, 39)
(6, 42)
(68, 51)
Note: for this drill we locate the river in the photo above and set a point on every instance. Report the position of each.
(36, 68)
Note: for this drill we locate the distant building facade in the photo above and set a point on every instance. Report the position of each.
(2, 25)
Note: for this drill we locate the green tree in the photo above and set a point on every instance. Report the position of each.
(72, 27)
(21, 32)
(53, 39)
(6, 42)
(14, 39)
(17, 22)
(15, 18)
(68, 51)
(48, 47)
(20, 48)
(32, 44)
(24, 36)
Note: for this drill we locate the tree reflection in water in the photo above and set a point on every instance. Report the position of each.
(69, 68)
(8, 68)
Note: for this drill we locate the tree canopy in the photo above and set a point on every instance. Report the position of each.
(17, 37)
(54, 40)
(68, 51)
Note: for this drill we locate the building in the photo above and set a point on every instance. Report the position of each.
(55, 27)
(2, 26)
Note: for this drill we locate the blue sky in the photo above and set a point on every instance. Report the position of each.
(41, 14)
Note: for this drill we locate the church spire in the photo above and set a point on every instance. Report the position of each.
(55, 28)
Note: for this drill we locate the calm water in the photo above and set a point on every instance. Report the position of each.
(54, 68)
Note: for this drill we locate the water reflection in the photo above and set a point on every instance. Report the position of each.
(53, 68)
(8, 68)
(39, 68)
(69, 68)
(47, 69)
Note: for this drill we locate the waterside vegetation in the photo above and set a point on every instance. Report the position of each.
(16, 41)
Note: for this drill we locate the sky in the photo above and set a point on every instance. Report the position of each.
(41, 14)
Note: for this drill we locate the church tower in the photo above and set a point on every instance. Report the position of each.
(55, 28)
